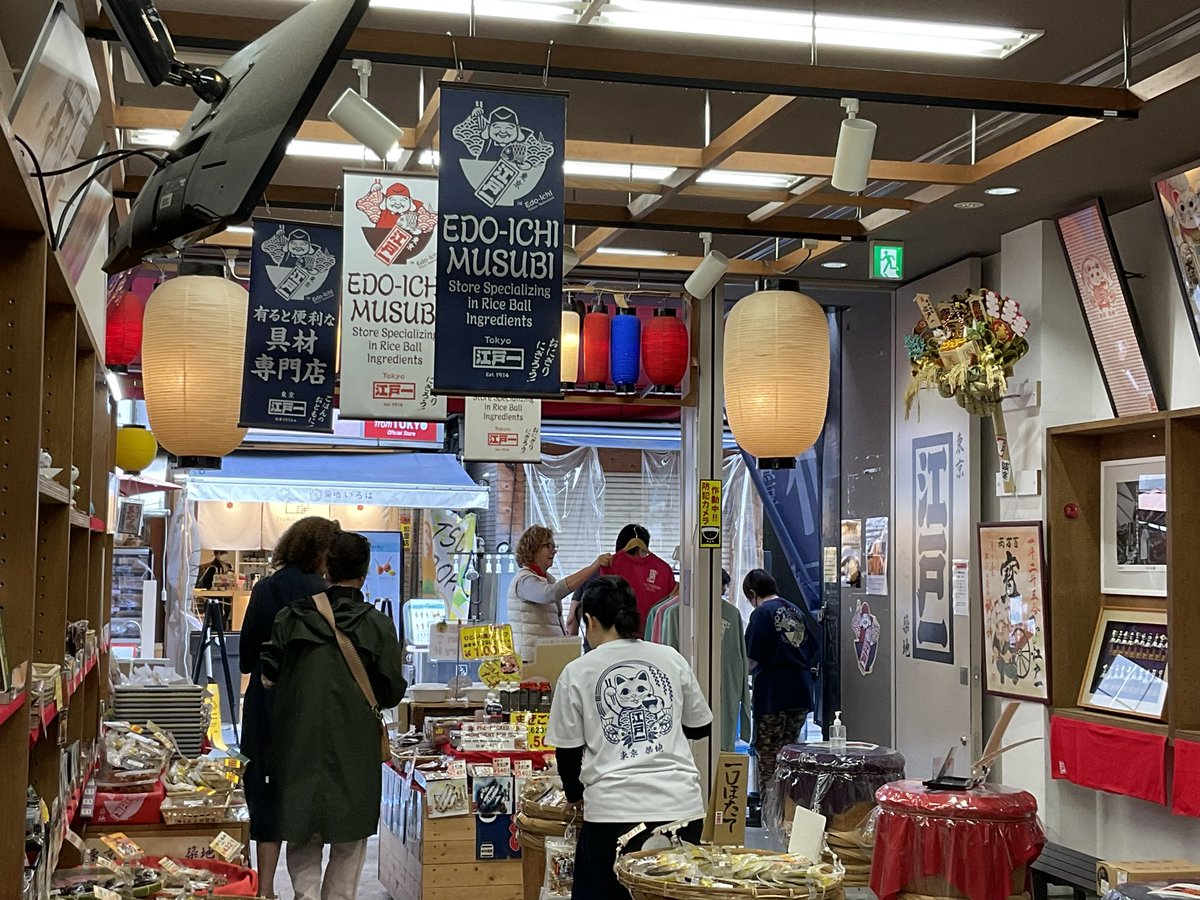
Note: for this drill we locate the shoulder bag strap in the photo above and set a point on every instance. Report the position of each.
(353, 660)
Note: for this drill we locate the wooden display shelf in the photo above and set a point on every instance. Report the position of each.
(9, 710)
(50, 491)
(1074, 454)
(80, 520)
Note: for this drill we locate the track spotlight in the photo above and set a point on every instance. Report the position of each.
(855, 145)
(366, 124)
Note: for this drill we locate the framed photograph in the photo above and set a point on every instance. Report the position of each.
(1133, 526)
(1016, 627)
(1127, 667)
(129, 517)
(57, 102)
(1108, 310)
(1178, 198)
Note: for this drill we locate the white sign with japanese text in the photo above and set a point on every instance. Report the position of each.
(502, 430)
(389, 305)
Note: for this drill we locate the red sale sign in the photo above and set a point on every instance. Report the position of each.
(411, 432)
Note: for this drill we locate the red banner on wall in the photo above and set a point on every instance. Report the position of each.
(409, 432)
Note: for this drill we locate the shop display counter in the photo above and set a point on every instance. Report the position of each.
(176, 841)
(840, 786)
(426, 857)
(411, 714)
(946, 844)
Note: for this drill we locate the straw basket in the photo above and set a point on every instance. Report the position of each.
(194, 815)
(642, 887)
(532, 833)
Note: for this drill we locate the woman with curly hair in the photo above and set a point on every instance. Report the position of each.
(535, 596)
(299, 572)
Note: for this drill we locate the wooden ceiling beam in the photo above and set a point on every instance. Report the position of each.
(693, 220)
(426, 131)
(594, 240)
(758, 76)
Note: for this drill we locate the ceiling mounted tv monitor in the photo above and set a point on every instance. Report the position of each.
(227, 152)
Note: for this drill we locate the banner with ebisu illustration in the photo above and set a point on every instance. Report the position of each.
(389, 297)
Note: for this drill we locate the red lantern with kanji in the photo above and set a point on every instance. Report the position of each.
(597, 342)
(123, 331)
(666, 350)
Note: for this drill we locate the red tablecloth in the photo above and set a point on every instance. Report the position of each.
(129, 809)
(239, 880)
(974, 839)
(487, 757)
(1185, 786)
(1107, 758)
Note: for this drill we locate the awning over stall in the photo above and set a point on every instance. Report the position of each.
(618, 435)
(418, 480)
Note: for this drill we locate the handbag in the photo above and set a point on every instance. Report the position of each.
(354, 661)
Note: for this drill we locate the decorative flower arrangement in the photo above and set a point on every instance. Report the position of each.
(966, 349)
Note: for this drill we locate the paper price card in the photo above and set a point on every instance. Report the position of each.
(101, 893)
(444, 641)
(486, 641)
(170, 866)
(124, 848)
(226, 846)
(535, 736)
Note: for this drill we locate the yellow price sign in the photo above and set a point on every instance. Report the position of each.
(486, 641)
(535, 731)
(710, 514)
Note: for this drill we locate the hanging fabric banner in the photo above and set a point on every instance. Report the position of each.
(792, 502)
(500, 248)
(291, 333)
(389, 303)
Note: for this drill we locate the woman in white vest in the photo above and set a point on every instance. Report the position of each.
(535, 596)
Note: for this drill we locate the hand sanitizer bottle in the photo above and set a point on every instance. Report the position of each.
(837, 734)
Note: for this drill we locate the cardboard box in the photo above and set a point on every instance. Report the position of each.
(1109, 873)
(725, 823)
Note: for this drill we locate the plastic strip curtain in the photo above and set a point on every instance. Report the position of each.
(660, 499)
(566, 494)
(178, 572)
(742, 517)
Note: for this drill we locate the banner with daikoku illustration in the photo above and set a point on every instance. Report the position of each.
(291, 332)
(389, 298)
(499, 255)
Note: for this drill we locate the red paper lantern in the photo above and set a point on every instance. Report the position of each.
(597, 342)
(123, 331)
(666, 350)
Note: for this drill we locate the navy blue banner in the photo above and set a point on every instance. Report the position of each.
(499, 277)
(291, 333)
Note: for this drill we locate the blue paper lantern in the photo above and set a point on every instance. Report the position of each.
(626, 350)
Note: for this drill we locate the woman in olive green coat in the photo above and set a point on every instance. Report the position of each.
(325, 744)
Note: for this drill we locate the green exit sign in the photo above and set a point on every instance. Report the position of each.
(887, 260)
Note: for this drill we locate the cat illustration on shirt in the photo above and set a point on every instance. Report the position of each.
(635, 704)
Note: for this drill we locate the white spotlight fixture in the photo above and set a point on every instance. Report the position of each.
(856, 142)
(711, 270)
(968, 204)
(366, 124)
(570, 260)
(1002, 191)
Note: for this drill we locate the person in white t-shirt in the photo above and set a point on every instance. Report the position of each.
(621, 720)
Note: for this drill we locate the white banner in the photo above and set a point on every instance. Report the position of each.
(496, 428)
(279, 517)
(389, 277)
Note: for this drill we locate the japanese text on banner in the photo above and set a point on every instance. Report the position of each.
(501, 241)
(291, 330)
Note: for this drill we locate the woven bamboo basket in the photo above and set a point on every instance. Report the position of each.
(194, 815)
(642, 887)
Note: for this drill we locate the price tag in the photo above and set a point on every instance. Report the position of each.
(457, 769)
(122, 846)
(502, 765)
(226, 846)
(170, 866)
(44, 810)
(58, 692)
(523, 768)
(101, 893)
(105, 862)
(75, 841)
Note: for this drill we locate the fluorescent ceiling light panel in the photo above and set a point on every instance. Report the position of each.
(161, 137)
(866, 32)
(732, 178)
(633, 251)
(535, 10)
(587, 168)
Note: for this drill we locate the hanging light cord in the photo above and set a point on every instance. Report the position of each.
(111, 158)
(775, 271)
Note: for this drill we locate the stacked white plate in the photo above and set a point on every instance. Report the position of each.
(177, 708)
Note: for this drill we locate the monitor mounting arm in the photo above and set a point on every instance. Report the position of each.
(208, 83)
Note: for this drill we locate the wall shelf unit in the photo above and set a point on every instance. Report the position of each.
(54, 564)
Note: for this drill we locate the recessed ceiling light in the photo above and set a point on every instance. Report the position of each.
(1003, 191)
(834, 264)
(968, 204)
(634, 251)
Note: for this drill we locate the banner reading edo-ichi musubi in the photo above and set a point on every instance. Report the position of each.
(500, 242)
(389, 306)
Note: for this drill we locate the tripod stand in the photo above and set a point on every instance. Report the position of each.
(213, 632)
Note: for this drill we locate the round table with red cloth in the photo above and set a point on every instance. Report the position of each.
(975, 840)
(239, 880)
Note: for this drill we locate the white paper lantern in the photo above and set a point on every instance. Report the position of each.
(192, 348)
(776, 375)
(569, 353)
